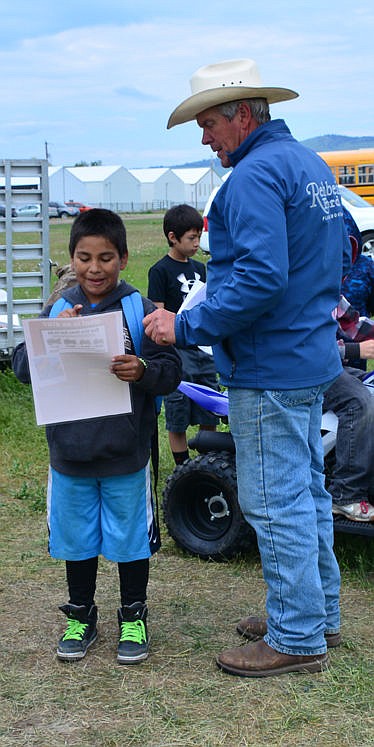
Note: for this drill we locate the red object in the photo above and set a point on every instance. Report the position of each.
(358, 328)
(82, 208)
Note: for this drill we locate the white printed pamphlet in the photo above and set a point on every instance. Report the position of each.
(196, 295)
(69, 362)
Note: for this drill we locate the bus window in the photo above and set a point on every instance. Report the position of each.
(353, 169)
(346, 175)
(366, 174)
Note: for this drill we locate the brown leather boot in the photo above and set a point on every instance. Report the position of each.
(253, 628)
(260, 660)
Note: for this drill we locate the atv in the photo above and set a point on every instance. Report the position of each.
(200, 499)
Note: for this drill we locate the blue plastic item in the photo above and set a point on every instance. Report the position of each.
(209, 399)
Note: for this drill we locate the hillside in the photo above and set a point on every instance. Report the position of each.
(339, 142)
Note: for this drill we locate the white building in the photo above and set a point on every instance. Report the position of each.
(159, 188)
(127, 190)
(111, 187)
(132, 190)
(198, 183)
(64, 186)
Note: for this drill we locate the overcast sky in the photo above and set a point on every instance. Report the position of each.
(98, 80)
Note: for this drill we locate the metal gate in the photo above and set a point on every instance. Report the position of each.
(24, 246)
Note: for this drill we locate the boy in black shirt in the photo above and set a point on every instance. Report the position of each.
(169, 282)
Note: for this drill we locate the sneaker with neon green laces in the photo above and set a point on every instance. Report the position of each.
(81, 631)
(133, 640)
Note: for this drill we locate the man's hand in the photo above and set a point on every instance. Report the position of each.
(159, 326)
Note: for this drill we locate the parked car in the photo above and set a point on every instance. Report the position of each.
(361, 211)
(2, 210)
(363, 214)
(204, 238)
(60, 210)
(29, 210)
(80, 205)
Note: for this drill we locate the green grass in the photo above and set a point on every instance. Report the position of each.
(178, 698)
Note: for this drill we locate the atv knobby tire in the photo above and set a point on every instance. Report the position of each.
(201, 509)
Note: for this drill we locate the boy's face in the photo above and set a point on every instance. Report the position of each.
(186, 246)
(97, 265)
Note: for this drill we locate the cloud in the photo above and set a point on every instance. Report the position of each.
(105, 90)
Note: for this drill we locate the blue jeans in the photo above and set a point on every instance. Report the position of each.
(281, 492)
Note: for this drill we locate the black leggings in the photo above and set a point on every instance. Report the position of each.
(81, 579)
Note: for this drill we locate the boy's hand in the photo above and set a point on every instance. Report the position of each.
(75, 311)
(159, 326)
(127, 367)
(367, 349)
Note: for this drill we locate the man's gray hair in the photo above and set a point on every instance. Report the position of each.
(259, 109)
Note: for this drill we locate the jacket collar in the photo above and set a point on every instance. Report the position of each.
(267, 132)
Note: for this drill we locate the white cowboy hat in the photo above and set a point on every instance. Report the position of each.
(230, 80)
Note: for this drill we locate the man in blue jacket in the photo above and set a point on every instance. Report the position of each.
(277, 238)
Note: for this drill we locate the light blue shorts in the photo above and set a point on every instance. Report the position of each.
(110, 516)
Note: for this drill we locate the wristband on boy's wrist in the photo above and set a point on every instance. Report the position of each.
(145, 364)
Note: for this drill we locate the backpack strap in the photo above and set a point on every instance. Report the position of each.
(133, 310)
(60, 305)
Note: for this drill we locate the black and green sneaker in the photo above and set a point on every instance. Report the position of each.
(133, 640)
(80, 633)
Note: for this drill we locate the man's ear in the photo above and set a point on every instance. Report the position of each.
(247, 120)
(245, 113)
(172, 237)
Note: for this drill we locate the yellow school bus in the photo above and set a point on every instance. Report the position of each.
(354, 169)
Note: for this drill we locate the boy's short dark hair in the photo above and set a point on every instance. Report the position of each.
(99, 222)
(181, 218)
